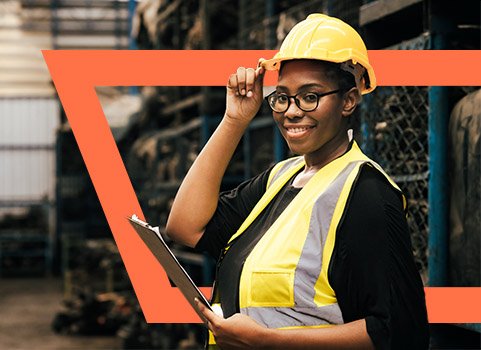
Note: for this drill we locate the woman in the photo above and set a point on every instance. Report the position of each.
(317, 240)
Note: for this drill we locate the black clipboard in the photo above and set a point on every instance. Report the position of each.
(156, 244)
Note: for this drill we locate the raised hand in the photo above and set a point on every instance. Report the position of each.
(244, 94)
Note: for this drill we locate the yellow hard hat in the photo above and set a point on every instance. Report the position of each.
(321, 37)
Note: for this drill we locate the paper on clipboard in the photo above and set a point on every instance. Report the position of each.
(154, 241)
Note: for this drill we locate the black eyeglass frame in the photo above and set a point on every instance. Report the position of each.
(297, 102)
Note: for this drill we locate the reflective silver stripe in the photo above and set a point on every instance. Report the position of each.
(278, 317)
(310, 262)
(306, 312)
(286, 166)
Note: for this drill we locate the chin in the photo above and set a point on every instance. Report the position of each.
(298, 150)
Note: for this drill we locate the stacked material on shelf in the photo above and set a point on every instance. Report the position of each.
(465, 179)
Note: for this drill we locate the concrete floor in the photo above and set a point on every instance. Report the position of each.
(27, 308)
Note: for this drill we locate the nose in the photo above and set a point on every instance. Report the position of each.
(293, 111)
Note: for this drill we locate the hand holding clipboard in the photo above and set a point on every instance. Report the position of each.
(156, 244)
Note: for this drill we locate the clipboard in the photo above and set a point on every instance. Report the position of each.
(154, 241)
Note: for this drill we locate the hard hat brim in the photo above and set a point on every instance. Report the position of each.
(275, 64)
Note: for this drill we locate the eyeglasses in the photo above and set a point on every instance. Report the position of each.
(306, 101)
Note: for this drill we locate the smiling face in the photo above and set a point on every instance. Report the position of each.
(322, 132)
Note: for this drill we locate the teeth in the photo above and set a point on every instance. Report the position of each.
(297, 130)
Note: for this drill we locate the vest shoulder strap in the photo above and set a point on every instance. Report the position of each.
(280, 168)
(277, 179)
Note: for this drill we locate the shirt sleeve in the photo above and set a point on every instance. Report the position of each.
(233, 208)
(372, 268)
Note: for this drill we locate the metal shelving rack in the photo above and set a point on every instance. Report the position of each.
(80, 24)
(406, 128)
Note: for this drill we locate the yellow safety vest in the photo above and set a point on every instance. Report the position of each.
(284, 282)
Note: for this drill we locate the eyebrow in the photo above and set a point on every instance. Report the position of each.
(303, 87)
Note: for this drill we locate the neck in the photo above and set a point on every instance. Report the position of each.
(334, 148)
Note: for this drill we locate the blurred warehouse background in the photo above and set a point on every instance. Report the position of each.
(62, 282)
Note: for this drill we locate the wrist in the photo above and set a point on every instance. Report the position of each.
(269, 339)
(236, 122)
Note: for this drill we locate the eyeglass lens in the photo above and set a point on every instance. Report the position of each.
(305, 101)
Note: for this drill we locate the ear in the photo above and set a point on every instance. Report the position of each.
(351, 99)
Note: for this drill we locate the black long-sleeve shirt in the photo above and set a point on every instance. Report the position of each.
(372, 269)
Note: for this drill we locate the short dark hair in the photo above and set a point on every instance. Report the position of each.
(344, 79)
(334, 73)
